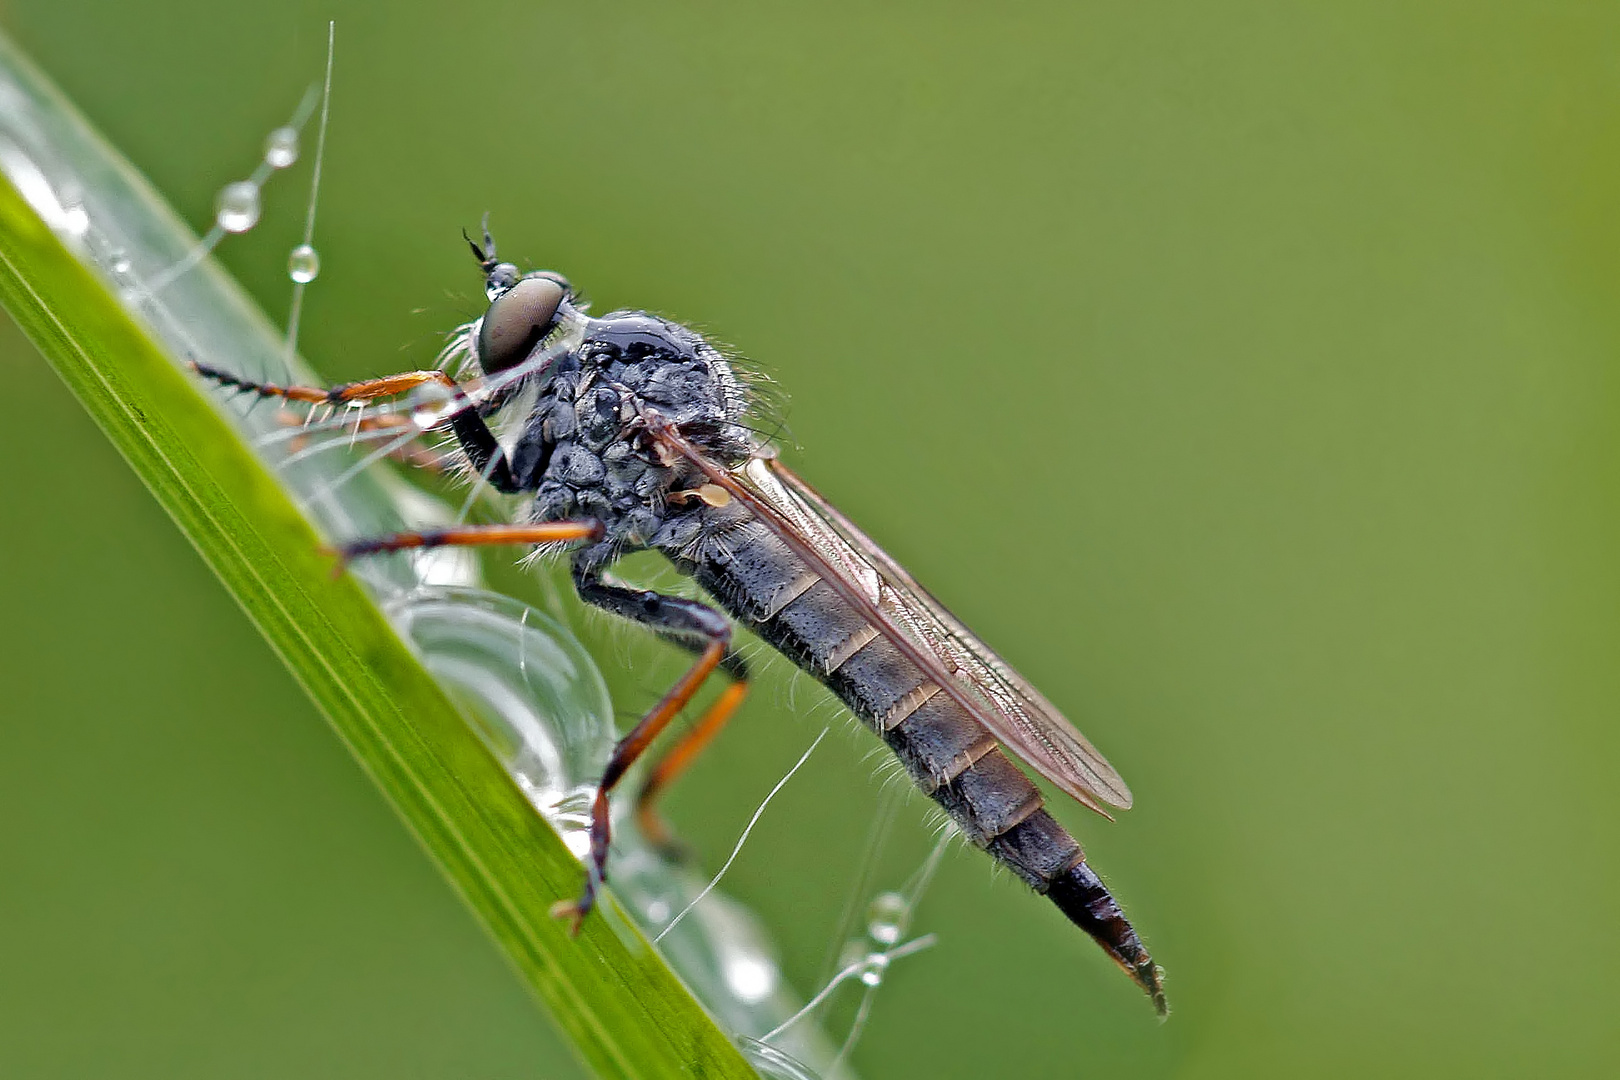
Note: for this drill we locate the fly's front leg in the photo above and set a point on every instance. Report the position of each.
(412, 453)
(368, 390)
(674, 617)
(483, 452)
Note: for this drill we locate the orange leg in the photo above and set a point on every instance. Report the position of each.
(625, 754)
(679, 757)
(483, 451)
(387, 386)
(546, 532)
(413, 453)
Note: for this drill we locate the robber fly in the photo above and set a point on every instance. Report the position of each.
(633, 434)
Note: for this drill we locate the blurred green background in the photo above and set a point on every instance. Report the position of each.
(1245, 373)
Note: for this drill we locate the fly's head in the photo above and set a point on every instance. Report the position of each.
(525, 309)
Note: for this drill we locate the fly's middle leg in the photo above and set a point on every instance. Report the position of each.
(544, 532)
(705, 630)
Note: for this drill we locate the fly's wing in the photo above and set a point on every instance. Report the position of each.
(1014, 711)
(917, 624)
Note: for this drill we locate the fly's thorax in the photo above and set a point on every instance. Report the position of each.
(582, 451)
(671, 369)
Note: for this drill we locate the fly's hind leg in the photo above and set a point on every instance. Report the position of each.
(675, 760)
(703, 629)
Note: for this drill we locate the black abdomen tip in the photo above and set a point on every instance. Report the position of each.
(1082, 896)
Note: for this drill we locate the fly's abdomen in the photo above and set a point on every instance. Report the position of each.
(950, 755)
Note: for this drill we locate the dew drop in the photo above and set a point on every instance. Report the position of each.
(303, 264)
(237, 209)
(281, 147)
(750, 977)
(873, 967)
(118, 262)
(75, 218)
(886, 918)
(428, 404)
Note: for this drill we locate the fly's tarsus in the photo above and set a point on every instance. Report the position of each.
(218, 376)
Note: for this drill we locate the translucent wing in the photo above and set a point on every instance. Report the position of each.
(921, 627)
(1016, 713)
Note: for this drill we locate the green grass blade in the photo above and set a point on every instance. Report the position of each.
(618, 1003)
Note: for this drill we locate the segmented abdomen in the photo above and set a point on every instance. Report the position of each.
(946, 752)
(950, 755)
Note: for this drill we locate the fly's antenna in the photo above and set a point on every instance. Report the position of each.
(484, 263)
(486, 254)
(498, 276)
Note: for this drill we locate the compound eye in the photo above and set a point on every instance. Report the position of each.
(516, 322)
